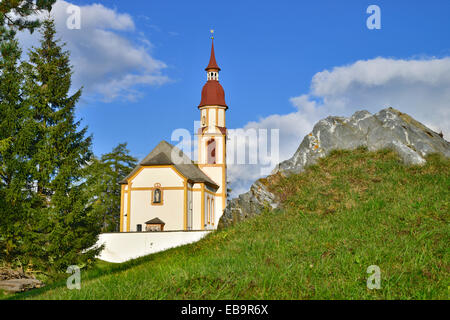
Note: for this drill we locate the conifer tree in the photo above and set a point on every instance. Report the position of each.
(105, 175)
(14, 14)
(15, 141)
(65, 224)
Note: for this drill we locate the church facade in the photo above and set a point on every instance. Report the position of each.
(167, 191)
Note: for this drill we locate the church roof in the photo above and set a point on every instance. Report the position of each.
(167, 154)
(212, 60)
(155, 221)
(212, 94)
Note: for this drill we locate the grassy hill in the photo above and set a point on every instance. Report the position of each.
(350, 211)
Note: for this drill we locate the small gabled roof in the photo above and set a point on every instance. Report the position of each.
(167, 154)
(155, 221)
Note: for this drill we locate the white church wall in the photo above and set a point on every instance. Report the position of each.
(216, 174)
(219, 150)
(167, 177)
(121, 247)
(171, 211)
(212, 117)
(125, 212)
(190, 208)
(142, 209)
(221, 117)
(197, 203)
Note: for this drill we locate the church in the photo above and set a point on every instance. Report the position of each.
(167, 191)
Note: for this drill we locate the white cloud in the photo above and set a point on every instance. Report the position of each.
(105, 61)
(420, 88)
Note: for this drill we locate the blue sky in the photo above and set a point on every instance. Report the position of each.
(270, 52)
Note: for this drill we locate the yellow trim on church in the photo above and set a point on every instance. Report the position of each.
(202, 227)
(185, 205)
(129, 207)
(122, 195)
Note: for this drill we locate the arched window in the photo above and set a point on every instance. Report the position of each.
(211, 151)
(209, 210)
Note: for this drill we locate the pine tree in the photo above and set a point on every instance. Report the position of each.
(65, 225)
(15, 14)
(15, 141)
(105, 175)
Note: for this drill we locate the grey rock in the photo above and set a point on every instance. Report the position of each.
(248, 204)
(19, 285)
(388, 128)
(17, 281)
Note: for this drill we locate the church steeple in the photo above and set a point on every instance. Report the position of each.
(212, 135)
(212, 93)
(212, 65)
(212, 70)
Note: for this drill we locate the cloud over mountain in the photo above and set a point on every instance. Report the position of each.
(420, 88)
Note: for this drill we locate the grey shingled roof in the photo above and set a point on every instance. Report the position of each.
(155, 221)
(163, 154)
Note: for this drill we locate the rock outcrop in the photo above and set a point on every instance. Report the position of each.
(388, 128)
(16, 281)
(19, 285)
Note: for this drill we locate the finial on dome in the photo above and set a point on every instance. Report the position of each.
(212, 34)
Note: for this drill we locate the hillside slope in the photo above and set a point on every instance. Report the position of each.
(351, 210)
(387, 129)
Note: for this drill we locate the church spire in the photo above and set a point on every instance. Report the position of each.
(212, 65)
(212, 92)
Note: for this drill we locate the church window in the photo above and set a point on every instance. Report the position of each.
(211, 151)
(157, 195)
(209, 210)
(139, 228)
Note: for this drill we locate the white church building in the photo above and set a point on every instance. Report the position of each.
(167, 191)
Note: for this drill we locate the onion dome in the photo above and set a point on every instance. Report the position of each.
(213, 94)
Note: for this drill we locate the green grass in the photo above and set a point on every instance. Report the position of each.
(350, 211)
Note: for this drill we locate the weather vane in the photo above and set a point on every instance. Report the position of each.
(212, 33)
